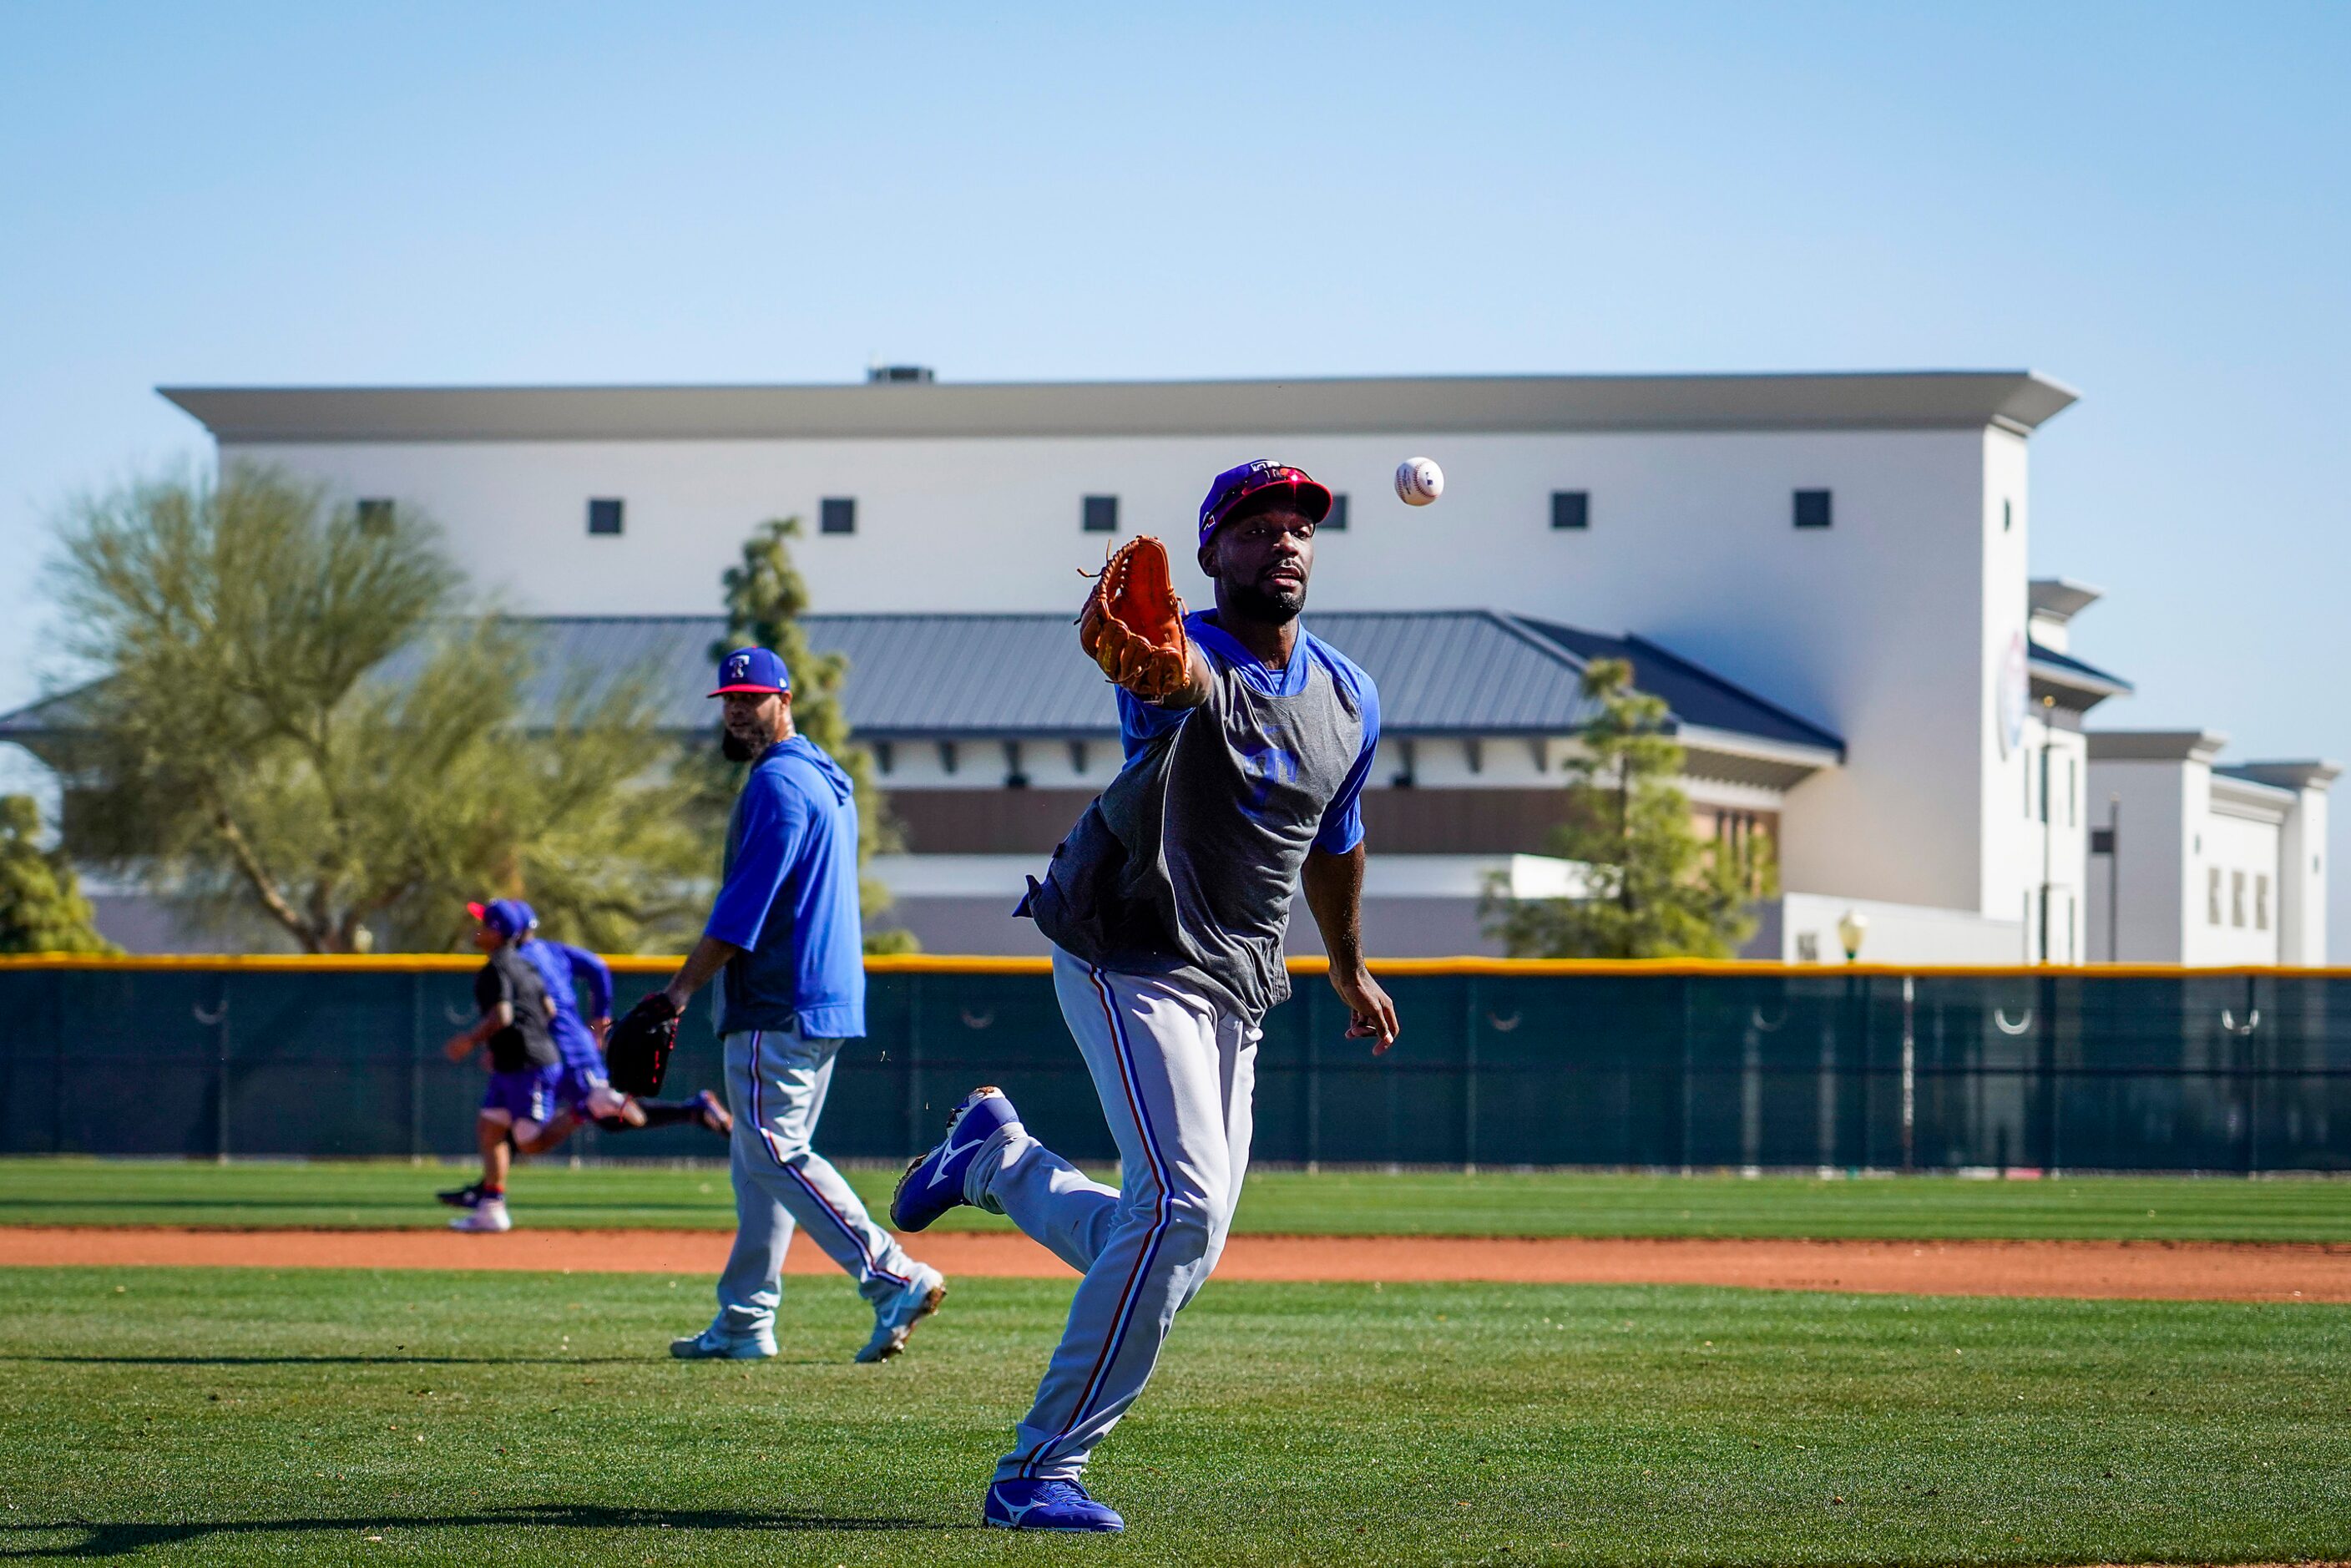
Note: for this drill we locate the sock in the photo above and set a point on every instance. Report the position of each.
(669, 1113)
(493, 1194)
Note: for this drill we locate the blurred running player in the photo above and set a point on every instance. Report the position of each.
(581, 1092)
(525, 1067)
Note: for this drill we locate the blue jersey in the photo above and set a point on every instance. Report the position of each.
(567, 970)
(789, 900)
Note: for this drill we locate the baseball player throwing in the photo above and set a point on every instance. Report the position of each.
(786, 933)
(1247, 742)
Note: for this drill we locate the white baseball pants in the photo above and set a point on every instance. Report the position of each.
(775, 1084)
(1174, 1073)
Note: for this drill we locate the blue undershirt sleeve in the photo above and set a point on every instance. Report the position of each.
(594, 976)
(775, 822)
(1342, 819)
(1141, 723)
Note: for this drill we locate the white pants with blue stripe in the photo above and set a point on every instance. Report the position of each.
(1174, 1073)
(776, 1083)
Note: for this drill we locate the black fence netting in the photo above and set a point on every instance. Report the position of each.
(1801, 1067)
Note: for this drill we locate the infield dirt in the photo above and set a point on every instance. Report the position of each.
(2212, 1272)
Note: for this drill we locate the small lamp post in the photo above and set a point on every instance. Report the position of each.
(1851, 928)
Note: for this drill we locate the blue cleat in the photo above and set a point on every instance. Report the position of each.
(935, 1182)
(1046, 1505)
(894, 1318)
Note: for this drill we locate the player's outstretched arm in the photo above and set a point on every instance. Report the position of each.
(1132, 627)
(1335, 892)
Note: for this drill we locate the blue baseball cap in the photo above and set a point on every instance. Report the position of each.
(507, 916)
(752, 670)
(1235, 486)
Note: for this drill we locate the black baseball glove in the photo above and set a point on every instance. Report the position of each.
(636, 1053)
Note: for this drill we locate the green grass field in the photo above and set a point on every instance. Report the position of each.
(200, 1416)
(2169, 1209)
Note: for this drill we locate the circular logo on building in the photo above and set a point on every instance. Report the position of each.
(2014, 698)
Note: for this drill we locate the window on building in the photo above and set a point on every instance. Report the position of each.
(837, 515)
(2237, 898)
(2212, 895)
(1337, 520)
(1811, 508)
(605, 517)
(2007, 516)
(2072, 791)
(375, 517)
(1100, 515)
(2044, 784)
(1571, 508)
(2262, 902)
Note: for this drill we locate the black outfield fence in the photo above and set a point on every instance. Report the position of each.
(1500, 1064)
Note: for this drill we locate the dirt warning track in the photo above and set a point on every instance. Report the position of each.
(2147, 1270)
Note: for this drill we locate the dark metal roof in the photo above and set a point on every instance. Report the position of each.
(1696, 695)
(943, 676)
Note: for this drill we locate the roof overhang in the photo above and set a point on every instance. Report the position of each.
(2061, 598)
(2016, 401)
(2250, 800)
(2155, 745)
(2313, 773)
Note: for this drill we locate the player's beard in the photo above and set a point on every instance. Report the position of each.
(735, 748)
(1271, 609)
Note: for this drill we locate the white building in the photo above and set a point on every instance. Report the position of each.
(1829, 570)
(2203, 864)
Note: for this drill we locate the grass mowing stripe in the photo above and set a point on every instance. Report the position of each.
(2164, 1208)
(226, 1414)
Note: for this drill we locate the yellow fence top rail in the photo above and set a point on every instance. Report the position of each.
(952, 963)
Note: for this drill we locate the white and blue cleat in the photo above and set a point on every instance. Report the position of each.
(1046, 1505)
(711, 1344)
(935, 1182)
(895, 1319)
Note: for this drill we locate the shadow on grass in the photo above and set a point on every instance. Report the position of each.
(403, 1204)
(113, 1537)
(350, 1360)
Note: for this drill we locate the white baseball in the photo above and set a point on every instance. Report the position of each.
(1419, 481)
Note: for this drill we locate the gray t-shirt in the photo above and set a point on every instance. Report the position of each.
(1186, 865)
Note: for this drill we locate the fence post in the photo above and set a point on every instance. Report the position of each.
(56, 1063)
(220, 1075)
(1683, 986)
(1470, 1075)
(417, 1067)
(1909, 1075)
(2252, 1072)
(1311, 1065)
(2045, 1016)
(913, 1061)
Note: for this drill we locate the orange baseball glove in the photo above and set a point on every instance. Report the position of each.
(1133, 625)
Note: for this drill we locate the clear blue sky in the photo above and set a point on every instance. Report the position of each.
(2150, 201)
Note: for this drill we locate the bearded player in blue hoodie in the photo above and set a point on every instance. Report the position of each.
(785, 940)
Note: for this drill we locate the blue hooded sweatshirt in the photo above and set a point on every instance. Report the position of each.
(789, 900)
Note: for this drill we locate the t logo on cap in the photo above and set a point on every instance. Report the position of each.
(752, 670)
